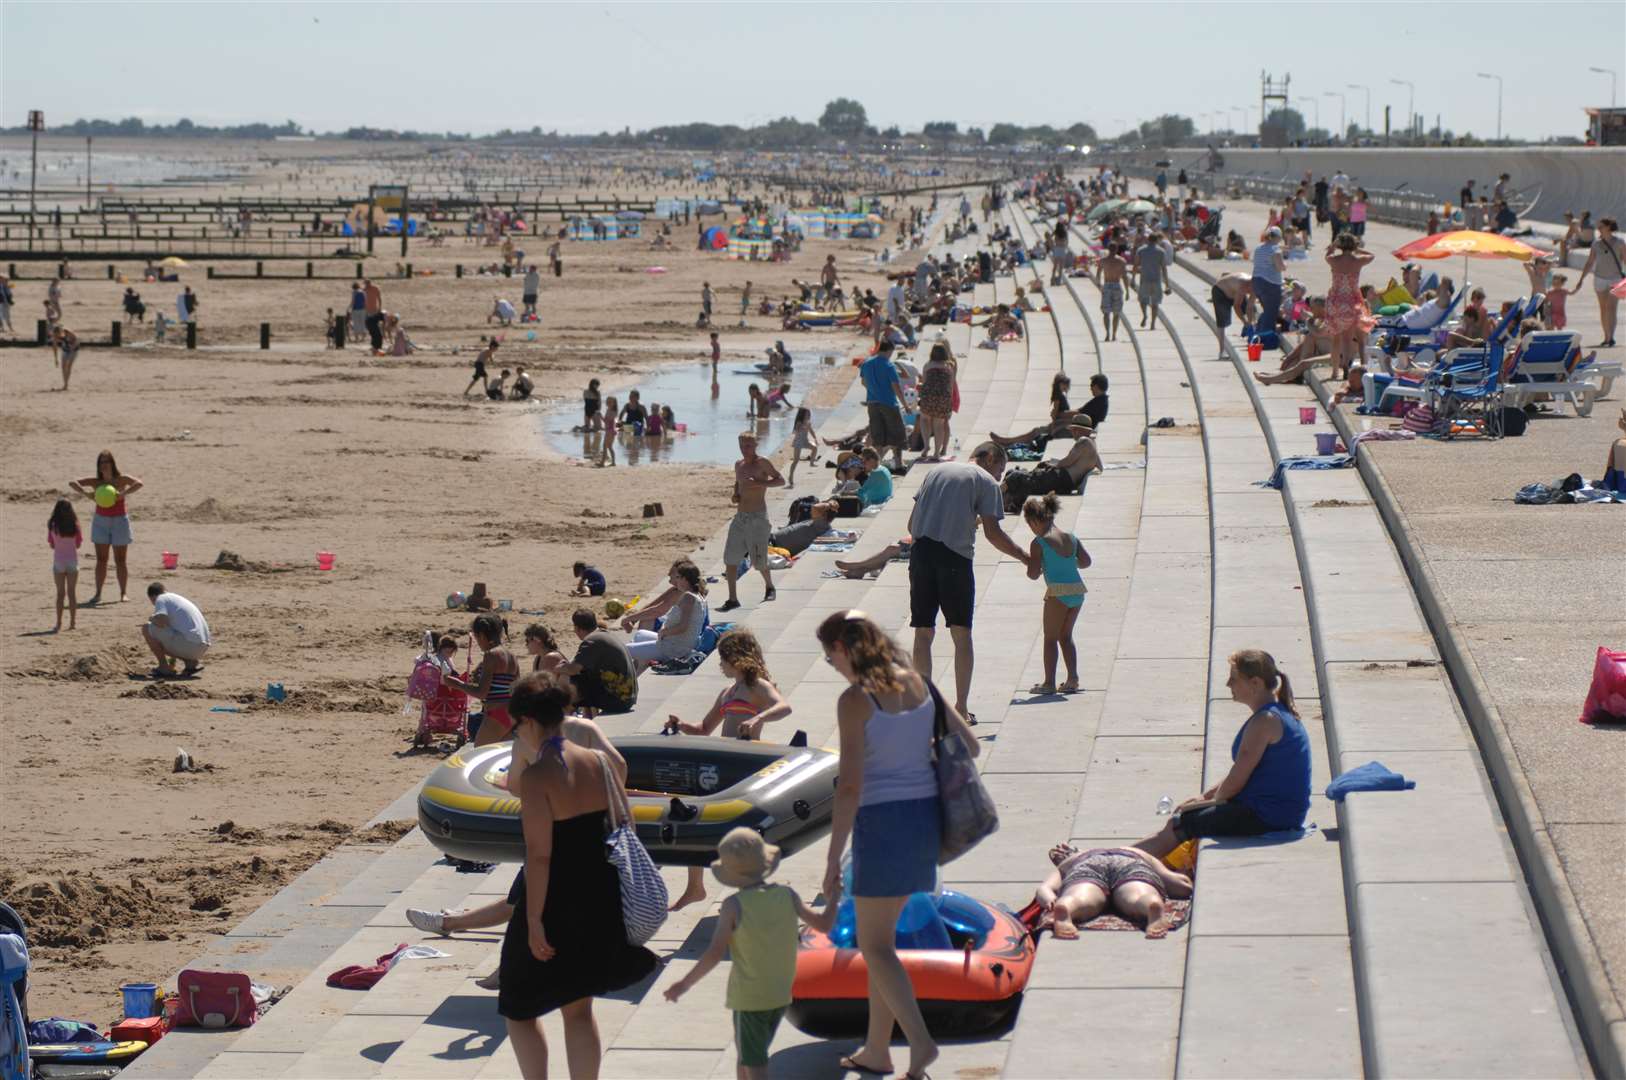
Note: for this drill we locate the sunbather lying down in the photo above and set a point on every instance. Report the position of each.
(1085, 883)
(857, 568)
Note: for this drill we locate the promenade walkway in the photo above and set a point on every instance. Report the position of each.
(1352, 949)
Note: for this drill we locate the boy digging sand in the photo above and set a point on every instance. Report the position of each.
(757, 927)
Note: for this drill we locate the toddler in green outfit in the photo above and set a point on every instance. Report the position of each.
(757, 927)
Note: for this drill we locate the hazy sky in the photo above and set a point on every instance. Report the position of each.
(589, 67)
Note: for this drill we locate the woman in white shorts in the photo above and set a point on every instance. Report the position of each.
(1607, 265)
(684, 605)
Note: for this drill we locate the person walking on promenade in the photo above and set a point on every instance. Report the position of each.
(954, 499)
(1268, 268)
(1606, 262)
(748, 532)
(883, 394)
(887, 806)
(1349, 320)
(566, 942)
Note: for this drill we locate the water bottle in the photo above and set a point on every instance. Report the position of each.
(1165, 806)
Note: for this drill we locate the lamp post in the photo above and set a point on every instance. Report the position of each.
(1411, 96)
(1498, 78)
(1613, 84)
(1342, 125)
(1368, 90)
(1315, 101)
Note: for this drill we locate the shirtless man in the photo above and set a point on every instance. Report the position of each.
(1111, 272)
(748, 532)
(829, 279)
(1231, 293)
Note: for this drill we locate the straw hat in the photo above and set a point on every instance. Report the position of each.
(744, 858)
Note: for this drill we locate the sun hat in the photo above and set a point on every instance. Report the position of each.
(744, 858)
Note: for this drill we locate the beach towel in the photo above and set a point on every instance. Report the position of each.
(365, 976)
(682, 665)
(1373, 776)
(1023, 452)
(1326, 461)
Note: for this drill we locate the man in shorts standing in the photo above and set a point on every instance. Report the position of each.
(1231, 293)
(954, 499)
(748, 532)
(533, 286)
(884, 395)
(375, 315)
(1113, 269)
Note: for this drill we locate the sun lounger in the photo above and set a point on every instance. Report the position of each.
(1551, 366)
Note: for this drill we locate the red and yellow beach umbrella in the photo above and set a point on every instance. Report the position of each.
(1468, 243)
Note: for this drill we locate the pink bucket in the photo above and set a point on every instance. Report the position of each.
(172, 559)
(1307, 414)
(324, 560)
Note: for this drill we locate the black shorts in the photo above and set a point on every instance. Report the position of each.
(1224, 819)
(530, 299)
(940, 579)
(886, 426)
(1223, 307)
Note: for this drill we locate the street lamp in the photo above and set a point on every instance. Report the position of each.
(1368, 89)
(1613, 85)
(1498, 78)
(1342, 125)
(1411, 95)
(1317, 103)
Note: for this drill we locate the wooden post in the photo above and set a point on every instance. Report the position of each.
(259, 269)
(459, 269)
(358, 271)
(310, 269)
(117, 337)
(265, 335)
(191, 335)
(43, 331)
(210, 271)
(110, 273)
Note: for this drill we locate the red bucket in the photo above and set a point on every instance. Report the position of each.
(1307, 414)
(1255, 351)
(324, 560)
(172, 559)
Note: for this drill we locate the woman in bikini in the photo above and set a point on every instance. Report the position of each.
(744, 706)
(491, 681)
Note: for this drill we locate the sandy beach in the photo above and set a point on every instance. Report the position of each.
(259, 459)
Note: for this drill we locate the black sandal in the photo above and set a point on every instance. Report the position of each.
(850, 1063)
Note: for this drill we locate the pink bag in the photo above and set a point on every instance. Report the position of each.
(1606, 701)
(215, 999)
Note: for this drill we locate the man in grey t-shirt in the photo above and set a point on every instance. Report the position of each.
(952, 501)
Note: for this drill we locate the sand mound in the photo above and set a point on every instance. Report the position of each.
(78, 911)
(102, 666)
(230, 560)
(166, 691)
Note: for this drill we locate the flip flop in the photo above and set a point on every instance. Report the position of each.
(850, 1063)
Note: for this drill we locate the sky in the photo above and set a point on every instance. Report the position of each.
(574, 68)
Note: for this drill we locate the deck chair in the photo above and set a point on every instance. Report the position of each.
(1551, 366)
(1460, 363)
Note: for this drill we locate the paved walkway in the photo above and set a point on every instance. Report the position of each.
(1520, 598)
(1192, 561)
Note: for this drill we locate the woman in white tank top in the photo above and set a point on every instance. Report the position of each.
(886, 803)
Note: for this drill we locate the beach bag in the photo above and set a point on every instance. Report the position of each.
(215, 999)
(966, 811)
(1421, 419)
(643, 893)
(1606, 701)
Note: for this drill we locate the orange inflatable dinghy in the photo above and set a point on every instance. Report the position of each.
(971, 986)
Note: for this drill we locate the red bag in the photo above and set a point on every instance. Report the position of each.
(364, 976)
(215, 999)
(1606, 701)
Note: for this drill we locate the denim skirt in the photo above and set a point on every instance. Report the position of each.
(895, 847)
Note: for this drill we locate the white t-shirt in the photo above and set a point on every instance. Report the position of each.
(1422, 315)
(184, 616)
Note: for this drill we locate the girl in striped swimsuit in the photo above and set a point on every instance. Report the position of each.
(491, 681)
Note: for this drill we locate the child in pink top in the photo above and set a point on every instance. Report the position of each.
(1555, 302)
(64, 538)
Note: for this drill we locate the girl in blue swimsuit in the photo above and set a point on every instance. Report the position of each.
(1059, 557)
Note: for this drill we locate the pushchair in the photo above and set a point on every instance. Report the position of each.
(443, 710)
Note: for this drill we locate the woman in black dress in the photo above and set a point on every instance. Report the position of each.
(566, 942)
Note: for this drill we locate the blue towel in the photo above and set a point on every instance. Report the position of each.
(1329, 461)
(1373, 776)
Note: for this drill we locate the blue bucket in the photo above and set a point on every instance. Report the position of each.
(140, 1000)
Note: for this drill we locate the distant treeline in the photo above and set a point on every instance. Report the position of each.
(844, 121)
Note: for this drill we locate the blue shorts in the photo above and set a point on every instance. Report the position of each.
(895, 847)
(110, 530)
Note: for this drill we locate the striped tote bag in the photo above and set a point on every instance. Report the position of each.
(643, 893)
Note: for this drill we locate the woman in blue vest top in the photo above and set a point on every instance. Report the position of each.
(1268, 786)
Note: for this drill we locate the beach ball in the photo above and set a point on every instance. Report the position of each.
(106, 496)
(456, 600)
(614, 608)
